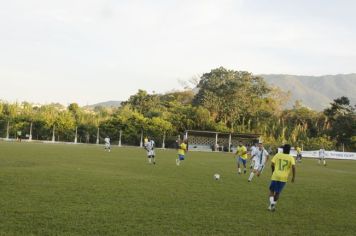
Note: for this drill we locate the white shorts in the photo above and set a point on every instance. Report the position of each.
(151, 153)
(107, 145)
(257, 166)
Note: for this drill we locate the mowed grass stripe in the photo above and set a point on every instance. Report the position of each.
(53, 189)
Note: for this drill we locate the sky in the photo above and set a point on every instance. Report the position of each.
(92, 51)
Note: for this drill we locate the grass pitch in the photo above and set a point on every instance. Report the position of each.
(82, 190)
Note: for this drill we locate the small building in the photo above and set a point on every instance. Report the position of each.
(217, 141)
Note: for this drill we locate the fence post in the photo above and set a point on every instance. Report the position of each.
(164, 139)
(141, 144)
(8, 130)
(53, 133)
(120, 134)
(229, 143)
(76, 134)
(97, 136)
(30, 137)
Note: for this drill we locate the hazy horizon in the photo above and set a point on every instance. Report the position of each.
(94, 51)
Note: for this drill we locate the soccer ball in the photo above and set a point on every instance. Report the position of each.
(216, 176)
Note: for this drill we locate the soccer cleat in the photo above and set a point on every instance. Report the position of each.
(273, 207)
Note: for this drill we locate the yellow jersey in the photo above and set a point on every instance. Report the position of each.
(240, 151)
(282, 165)
(299, 150)
(182, 149)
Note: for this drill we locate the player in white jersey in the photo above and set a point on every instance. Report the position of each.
(149, 146)
(107, 144)
(252, 155)
(260, 159)
(322, 156)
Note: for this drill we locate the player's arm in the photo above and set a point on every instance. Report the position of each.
(272, 167)
(293, 173)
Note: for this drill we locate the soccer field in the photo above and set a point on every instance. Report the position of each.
(54, 189)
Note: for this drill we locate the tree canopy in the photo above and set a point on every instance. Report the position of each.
(223, 100)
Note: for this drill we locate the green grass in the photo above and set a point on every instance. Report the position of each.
(48, 189)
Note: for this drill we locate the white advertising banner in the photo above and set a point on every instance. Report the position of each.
(328, 154)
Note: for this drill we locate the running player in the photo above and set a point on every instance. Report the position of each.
(241, 156)
(182, 149)
(281, 165)
(150, 148)
(252, 155)
(322, 156)
(260, 159)
(299, 154)
(107, 146)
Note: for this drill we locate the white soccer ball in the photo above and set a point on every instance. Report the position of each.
(216, 176)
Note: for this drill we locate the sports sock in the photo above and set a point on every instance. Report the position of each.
(251, 176)
(271, 200)
(149, 160)
(239, 170)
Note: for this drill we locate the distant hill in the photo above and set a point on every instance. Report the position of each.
(315, 92)
(107, 104)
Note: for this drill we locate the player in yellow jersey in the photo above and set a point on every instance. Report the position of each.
(241, 156)
(281, 165)
(182, 149)
(299, 154)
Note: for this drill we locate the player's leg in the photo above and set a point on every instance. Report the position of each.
(253, 172)
(272, 192)
(153, 159)
(244, 164)
(277, 191)
(324, 161)
(149, 157)
(260, 170)
(180, 158)
(238, 165)
(319, 161)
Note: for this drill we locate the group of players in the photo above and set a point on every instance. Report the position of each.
(149, 146)
(281, 164)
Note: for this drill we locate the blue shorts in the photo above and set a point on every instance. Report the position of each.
(242, 160)
(181, 157)
(277, 186)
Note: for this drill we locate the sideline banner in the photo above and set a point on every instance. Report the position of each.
(328, 154)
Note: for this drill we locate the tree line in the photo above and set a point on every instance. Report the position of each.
(222, 100)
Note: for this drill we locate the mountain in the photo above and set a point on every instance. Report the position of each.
(316, 92)
(107, 104)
